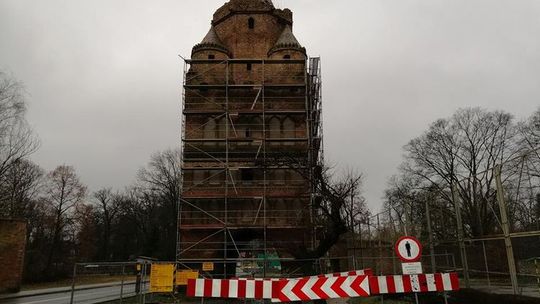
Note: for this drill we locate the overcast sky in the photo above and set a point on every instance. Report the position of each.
(103, 77)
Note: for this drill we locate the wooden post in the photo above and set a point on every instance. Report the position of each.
(122, 283)
(537, 273)
(506, 230)
(379, 244)
(73, 283)
(352, 232)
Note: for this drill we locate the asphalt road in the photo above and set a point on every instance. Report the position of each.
(88, 296)
(107, 293)
(528, 291)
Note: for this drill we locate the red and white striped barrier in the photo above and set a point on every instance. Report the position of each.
(413, 283)
(330, 286)
(306, 289)
(232, 289)
(367, 272)
(283, 290)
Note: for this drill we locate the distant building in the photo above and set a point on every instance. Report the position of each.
(252, 135)
(12, 248)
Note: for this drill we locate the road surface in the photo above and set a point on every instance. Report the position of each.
(527, 291)
(86, 296)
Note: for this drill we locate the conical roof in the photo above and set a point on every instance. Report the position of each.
(211, 41)
(287, 41)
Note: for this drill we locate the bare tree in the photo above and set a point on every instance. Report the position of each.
(108, 207)
(18, 187)
(87, 234)
(530, 131)
(354, 209)
(63, 192)
(527, 189)
(160, 181)
(162, 175)
(336, 198)
(462, 151)
(17, 140)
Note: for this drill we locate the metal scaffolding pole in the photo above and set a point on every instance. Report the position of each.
(202, 109)
(227, 168)
(265, 223)
(461, 242)
(430, 234)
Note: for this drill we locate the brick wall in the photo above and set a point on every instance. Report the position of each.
(12, 247)
(234, 133)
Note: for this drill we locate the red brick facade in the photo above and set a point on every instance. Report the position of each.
(246, 105)
(12, 248)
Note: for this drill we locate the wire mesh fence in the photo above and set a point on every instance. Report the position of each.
(486, 222)
(130, 282)
(102, 282)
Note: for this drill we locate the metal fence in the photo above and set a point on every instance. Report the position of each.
(443, 216)
(102, 282)
(130, 282)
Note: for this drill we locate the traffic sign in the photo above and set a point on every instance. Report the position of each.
(408, 249)
(182, 276)
(322, 288)
(412, 268)
(161, 278)
(208, 266)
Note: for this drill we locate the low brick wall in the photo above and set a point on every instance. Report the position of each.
(12, 248)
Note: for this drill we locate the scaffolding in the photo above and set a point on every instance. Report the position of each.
(251, 139)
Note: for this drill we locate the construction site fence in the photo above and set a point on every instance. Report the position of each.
(129, 282)
(104, 282)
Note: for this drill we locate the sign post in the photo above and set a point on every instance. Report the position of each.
(409, 251)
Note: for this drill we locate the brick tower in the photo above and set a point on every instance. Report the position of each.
(251, 137)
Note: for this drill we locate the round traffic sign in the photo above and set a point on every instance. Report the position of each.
(408, 249)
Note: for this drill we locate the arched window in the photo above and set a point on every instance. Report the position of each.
(279, 177)
(210, 129)
(220, 127)
(289, 128)
(211, 56)
(257, 127)
(243, 127)
(274, 127)
(251, 23)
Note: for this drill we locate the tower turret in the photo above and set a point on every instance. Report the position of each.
(287, 46)
(209, 46)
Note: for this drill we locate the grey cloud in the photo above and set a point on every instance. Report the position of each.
(104, 76)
